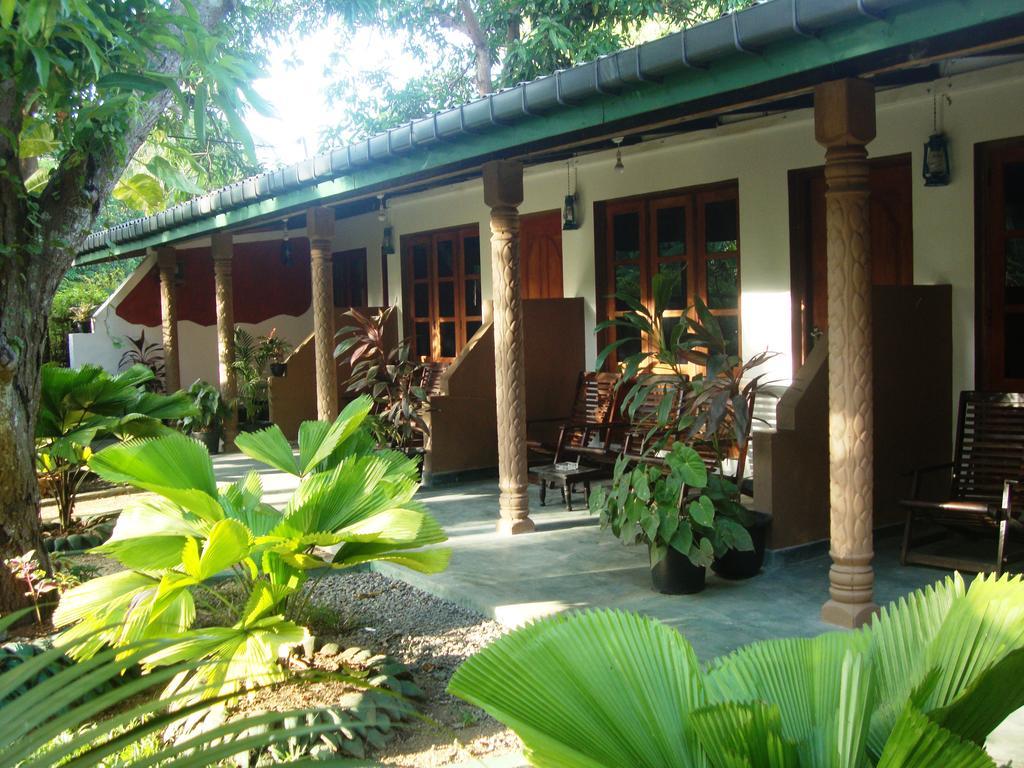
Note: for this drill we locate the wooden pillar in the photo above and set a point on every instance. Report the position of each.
(320, 228)
(223, 253)
(844, 122)
(503, 192)
(167, 264)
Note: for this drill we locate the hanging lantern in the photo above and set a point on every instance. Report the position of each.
(570, 212)
(936, 161)
(387, 241)
(286, 247)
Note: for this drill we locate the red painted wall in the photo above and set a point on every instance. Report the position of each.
(262, 286)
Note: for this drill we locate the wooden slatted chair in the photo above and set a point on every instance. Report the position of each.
(983, 499)
(584, 431)
(642, 431)
(430, 381)
(736, 448)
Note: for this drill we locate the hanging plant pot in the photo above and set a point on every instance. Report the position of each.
(676, 575)
(735, 564)
(210, 438)
(279, 369)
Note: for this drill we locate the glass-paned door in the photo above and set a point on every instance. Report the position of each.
(443, 301)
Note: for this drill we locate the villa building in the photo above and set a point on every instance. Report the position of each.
(849, 170)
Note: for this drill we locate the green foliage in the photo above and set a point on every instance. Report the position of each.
(101, 713)
(78, 406)
(470, 48)
(351, 498)
(148, 355)
(672, 503)
(79, 294)
(387, 373)
(253, 356)
(210, 408)
(923, 685)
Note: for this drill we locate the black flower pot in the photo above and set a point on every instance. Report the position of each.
(210, 438)
(676, 575)
(279, 369)
(735, 564)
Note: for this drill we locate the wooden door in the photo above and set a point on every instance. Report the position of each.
(1000, 268)
(349, 273)
(443, 306)
(540, 255)
(892, 242)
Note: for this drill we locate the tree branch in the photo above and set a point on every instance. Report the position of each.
(484, 85)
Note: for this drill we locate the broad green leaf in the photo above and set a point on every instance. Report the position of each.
(227, 544)
(702, 511)
(918, 742)
(270, 447)
(552, 683)
(140, 191)
(688, 464)
(745, 734)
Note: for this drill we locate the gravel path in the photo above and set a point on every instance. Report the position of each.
(433, 637)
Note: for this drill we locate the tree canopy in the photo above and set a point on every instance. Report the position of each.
(472, 47)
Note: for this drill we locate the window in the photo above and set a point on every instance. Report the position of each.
(441, 283)
(691, 237)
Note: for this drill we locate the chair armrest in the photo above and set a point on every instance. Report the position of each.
(1010, 487)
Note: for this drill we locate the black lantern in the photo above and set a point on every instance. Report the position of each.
(569, 220)
(286, 247)
(387, 241)
(936, 161)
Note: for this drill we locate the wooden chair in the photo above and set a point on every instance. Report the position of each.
(430, 381)
(642, 431)
(983, 498)
(585, 431)
(738, 448)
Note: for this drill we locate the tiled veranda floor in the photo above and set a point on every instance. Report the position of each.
(570, 563)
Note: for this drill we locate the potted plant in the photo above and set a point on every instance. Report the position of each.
(81, 318)
(207, 423)
(714, 412)
(253, 356)
(277, 351)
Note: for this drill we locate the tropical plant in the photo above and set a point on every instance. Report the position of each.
(715, 414)
(253, 355)
(149, 355)
(100, 713)
(84, 84)
(388, 373)
(211, 409)
(923, 685)
(670, 504)
(351, 497)
(80, 405)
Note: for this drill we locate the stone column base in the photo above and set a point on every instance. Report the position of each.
(848, 615)
(508, 527)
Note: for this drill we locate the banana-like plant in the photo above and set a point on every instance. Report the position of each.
(351, 497)
(922, 686)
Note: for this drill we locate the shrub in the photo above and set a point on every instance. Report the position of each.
(350, 496)
(80, 405)
(922, 686)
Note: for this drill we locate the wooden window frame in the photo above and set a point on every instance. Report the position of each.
(458, 279)
(693, 200)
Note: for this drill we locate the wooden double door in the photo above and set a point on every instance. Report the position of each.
(999, 275)
(892, 242)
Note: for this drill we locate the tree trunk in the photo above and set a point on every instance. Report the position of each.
(481, 48)
(39, 237)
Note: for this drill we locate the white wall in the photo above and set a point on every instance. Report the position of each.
(986, 105)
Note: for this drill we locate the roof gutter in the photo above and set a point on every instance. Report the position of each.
(782, 36)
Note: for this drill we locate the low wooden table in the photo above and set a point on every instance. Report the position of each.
(566, 477)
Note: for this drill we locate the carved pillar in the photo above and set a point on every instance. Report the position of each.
(167, 263)
(223, 252)
(320, 227)
(844, 122)
(503, 192)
